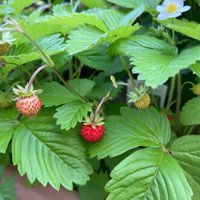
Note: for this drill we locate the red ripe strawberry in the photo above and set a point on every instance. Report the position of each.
(29, 106)
(27, 101)
(92, 129)
(169, 117)
(92, 134)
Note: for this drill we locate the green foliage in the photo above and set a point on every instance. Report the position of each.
(149, 4)
(155, 61)
(148, 174)
(132, 129)
(94, 188)
(87, 37)
(7, 190)
(190, 112)
(69, 114)
(18, 7)
(92, 4)
(191, 29)
(89, 40)
(45, 153)
(194, 186)
(186, 151)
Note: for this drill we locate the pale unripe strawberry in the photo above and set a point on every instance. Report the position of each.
(27, 101)
(196, 89)
(5, 42)
(92, 129)
(29, 106)
(139, 97)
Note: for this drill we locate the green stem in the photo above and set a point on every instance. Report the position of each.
(171, 92)
(45, 57)
(178, 102)
(190, 130)
(71, 89)
(35, 74)
(128, 71)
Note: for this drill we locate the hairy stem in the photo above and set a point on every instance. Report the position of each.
(35, 74)
(128, 71)
(171, 92)
(178, 102)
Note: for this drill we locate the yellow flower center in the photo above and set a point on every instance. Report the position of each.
(172, 7)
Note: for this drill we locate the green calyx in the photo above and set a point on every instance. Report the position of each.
(6, 38)
(94, 120)
(25, 92)
(138, 93)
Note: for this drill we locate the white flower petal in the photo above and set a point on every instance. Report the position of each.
(179, 3)
(184, 9)
(163, 16)
(160, 8)
(173, 15)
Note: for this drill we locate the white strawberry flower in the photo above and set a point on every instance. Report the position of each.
(171, 9)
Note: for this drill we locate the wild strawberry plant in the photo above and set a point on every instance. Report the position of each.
(79, 87)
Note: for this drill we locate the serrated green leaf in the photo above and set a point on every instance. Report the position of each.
(194, 186)
(132, 129)
(186, 150)
(7, 124)
(98, 58)
(94, 4)
(110, 17)
(154, 60)
(132, 16)
(7, 189)
(82, 86)
(191, 29)
(43, 152)
(87, 37)
(189, 110)
(196, 68)
(149, 4)
(94, 188)
(26, 53)
(55, 94)
(148, 174)
(71, 113)
(18, 7)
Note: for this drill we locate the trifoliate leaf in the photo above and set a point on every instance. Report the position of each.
(43, 152)
(154, 60)
(189, 110)
(132, 129)
(191, 29)
(71, 113)
(186, 150)
(148, 174)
